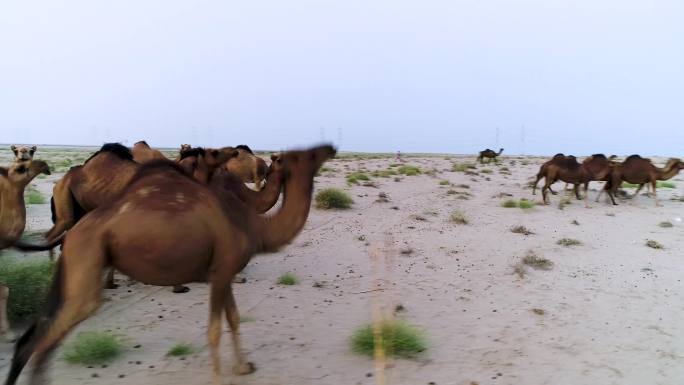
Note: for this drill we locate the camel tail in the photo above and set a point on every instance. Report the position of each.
(23, 246)
(52, 210)
(24, 347)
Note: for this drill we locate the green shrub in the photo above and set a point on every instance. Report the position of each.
(462, 167)
(288, 279)
(654, 244)
(180, 350)
(355, 177)
(444, 183)
(409, 170)
(33, 196)
(398, 339)
(332, 198)
(93, 348)
(509, 203)
(28, 281)
(665, 224)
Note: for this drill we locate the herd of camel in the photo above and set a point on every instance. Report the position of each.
(158, 221)
(193, 219)
(634, 169)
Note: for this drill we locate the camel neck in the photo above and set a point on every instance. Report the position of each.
(667, 172)
(12, 214)
(278, 230)
(267, 197)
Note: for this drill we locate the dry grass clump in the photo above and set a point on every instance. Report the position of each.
(444, 183)
(654, 244)
(332, 198)
(355, 177)
(665, 224)
(462, 167)
(520, 229)
(536, 262)
(567, 242)
(409, 170)
(458, 218)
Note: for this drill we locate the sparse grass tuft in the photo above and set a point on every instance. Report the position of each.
(462, 167)
(567, 242)
(398, 339)
(288, 279)
(665, 224)
(332, 198)
(180, 350)
(523, 203)
(536, 262)
(246, 318)
(93, 348)
(409, 170)
(458, 218)
(355, 177)
(661, 184)
(486, 171)
(28, 281)
(509, 203)
(564, 201)
(520, 229)
(444, 183)
(654, 244)
(33, 196)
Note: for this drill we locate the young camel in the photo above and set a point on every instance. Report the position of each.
(99, 181)
(143, 153)
(570, 171)
(13, 181)
(638, 170)
(247, 166)
(22, 153)
(212, 236)
(489, 154)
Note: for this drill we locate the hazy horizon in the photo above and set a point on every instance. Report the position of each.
(429, 76)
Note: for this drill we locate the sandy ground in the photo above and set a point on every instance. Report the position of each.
(612, 307)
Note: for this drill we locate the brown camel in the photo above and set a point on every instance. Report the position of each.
(211, 237)
(638, 170)
(570, 171)
(23, 152)
(489, 154)
(143, 153)
(13, 181)
(183, 148)
(542, 171)
(247, 166)
(100, 180)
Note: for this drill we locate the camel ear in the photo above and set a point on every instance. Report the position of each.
(14, 149)
(33, 149)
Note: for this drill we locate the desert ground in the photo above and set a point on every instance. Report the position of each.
(606, 311)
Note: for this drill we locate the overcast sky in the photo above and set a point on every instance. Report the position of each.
(580, 76)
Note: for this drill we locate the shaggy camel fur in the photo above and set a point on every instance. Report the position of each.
(13, 181)
(570, 171)
(638, 170)
(23, 153)
(489, 154)
(211, 238)
(247, 166)
(143, 153)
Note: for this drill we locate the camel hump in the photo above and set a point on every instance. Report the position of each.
(559, 155)
(244, 147)
(570, 162)
(117, 149)
(144, 143)
(599, 156)
(633, 157)
(197, 151)
(157, 166)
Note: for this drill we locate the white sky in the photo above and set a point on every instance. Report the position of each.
(427, 76)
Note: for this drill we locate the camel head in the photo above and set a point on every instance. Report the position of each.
(23, 153)
(19, 174)
(216, 157)
(674, 163)
(307, 162)
(141, 144)
(185, 147)
(276, 163)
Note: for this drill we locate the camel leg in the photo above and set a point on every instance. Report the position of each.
(544, 192)
(180, 289)
(586, 195)
(575, 189)
(636, 193)
(241, 366)
(654, 184)
(110, 279)
(553, 192)
(5, 333)
(216, 302)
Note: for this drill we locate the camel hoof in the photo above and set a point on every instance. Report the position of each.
(239, 279)
(246, 368)
(111, 285)
(181, 289)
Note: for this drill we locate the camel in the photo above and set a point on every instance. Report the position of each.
(143, 153)
(490, 154)
(542, 171)
(23, 152)
(570, 171)
(247, 166)
(638, 170)
(212, 236)
(183, 148)
(100, 180)
(13, 181)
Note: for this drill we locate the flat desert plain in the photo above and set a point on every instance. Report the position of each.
(608, 310)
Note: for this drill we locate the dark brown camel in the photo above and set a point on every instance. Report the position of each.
(542, 171)
(143, 153)
(570, 171)
(247, 166)
(489, 154)
(13, 181)
(211, 237)
(638, 170)
(98, 181)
